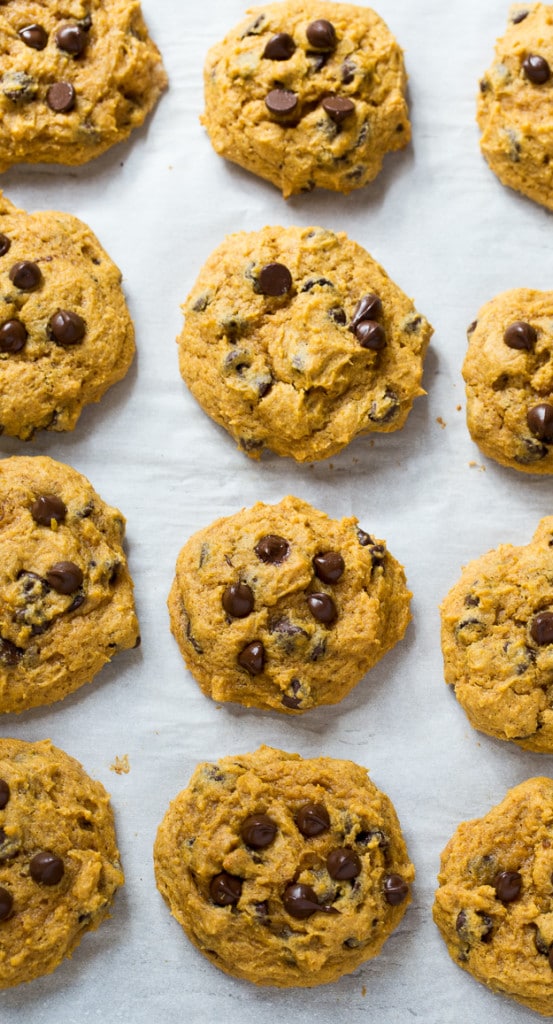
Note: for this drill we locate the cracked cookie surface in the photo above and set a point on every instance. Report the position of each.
(494, 907)
(281, 607)
(283, 871)
(59, 862)
(66, 596)
(296, 340)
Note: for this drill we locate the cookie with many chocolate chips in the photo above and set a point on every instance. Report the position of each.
(307, 93)
(494, 906)
(508, 372)
(59, 862)
(296, 340)
(283, 871)
(514, 104)
(66, 596)
(65, 331)
(281, 607)
(497, 641)
(75, 78)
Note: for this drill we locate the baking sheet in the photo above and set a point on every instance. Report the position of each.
(451, 236)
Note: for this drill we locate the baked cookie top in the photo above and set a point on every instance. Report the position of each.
(280, 607)
(76, 77)
(66, 596)
(497, 641)
(494, 906)
(283, 871)
(59, 862)
(514, 104)
(296, 340)
(65, 333)
(508, 372)
(307, 93)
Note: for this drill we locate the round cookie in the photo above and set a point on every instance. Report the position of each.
(514, 104)
(307, 93)
(508, 372)
(59, 862)
(494, 907)
(283, 871)
(497, 641)
(65, 333)
(296, 340)
(76, 78)
(66, 596)
(280, 607)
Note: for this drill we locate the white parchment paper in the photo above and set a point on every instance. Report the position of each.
(452, 237)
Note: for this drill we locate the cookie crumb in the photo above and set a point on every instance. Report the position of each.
(121, 765)
(476, 465)
(442, 422)
(459, 408)
(364, 990)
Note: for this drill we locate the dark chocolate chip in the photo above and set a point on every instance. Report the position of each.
(541, 629)
(370, 335)
(348, 71)
(300, 901)
(536, 69)
(280, 47)
(291, 702)
(258, 831)
(338, 108)
(395, 889)
(252, 658)
(275, 279)
(540, 422)
(46, 868)
(322, 608)
(312, 820)
(34, 36)
(19, 87)
(4, 793)
(321, 282)
(238, 600)
(519, 16)
(71, 39)
(77, 601)
(13, 335)
(5, 244)
(25, 275)
(64, 577)
(6, 904)
(317, 61)
(225, 889)
(329, 566)
(368, 308)
(343, 864)
(520, 335)
(321, 34)
(272, 549)
(10, 655)
(364, 538)
(281, 101)
(507, 885)
(61, 97)
(550, 957)
(48, 507)
(338, 315)
(66, 327)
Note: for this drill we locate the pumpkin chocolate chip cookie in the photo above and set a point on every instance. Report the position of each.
(296, 340)
(283, 871)
(494, 907)
(59, 863)
(280, 607)
(66, 596)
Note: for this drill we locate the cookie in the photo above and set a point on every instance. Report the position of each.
(65, 333)
(76, 78)
(307, 93)
(508, 373)
(66, 596)
(514, 104)
(296, 340)
(497, 641)
(494, 907)
(59, 862)
(280, 607)
(283, 871)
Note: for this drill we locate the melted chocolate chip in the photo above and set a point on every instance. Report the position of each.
(6, 904)
(280, 47)
(536, 69)
(46, 868)
(312, 820)
(300, 901)
(13, 335)
(5, 244)
(370, 335)
(520, 16)
(541, 629)
(71, 39)
(66, 327)
(252, 658)
(321, 34)
(225, 889)
(25, 275)
(238, 600)
(322, 608)
(61, 97)
(338, 108)
(274, 279)
(48, 507)
(281, 101)
(34, 36)
(368, 308)
(395, 889)
(272, 549)
(540, 422)
(343, 864)
(329, 566)
(507, 885)
(64, 577)
(520, 335)
(4, 793)
(258, 831)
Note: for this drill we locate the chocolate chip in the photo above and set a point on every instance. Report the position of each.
(338, 108)
(550, 957)
(520, 16)
(281, 101)
(300, 901)
(343, 864)
(5, 244)
(312, 820)
(317, 61)
(507, 885)
(536, 68)
(19, 87)
(71, 39)
(272, 549)
(258, 831)
(395, 889)
(48, 507)
(370, 335)
(322, 608)
(338, 315)
(6, 904)
(64, 577)
(321, 282)
(4, 793)
(280, 47)
(61, 97)
(368, 308)
(10, 655)
(541, 629)
(66, 327)
(238, 600)
(329, 566)
(291, 702)
(540, 422)
(46, 868)
(252, 658)
(25, 275)
(348, 71)
(275, 279)
(13, 335)
(520, 335)
(225, 889)
(321, 34)
(34, 36)
(364, 538)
